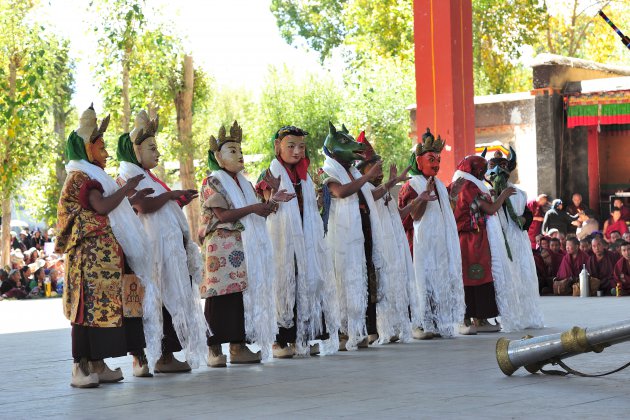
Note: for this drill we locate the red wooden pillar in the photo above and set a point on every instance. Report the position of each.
(593, 168)
(444, 77)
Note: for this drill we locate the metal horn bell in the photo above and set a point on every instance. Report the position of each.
(535, 352)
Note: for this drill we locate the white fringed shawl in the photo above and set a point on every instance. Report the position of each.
(176, 258)
(523, 267)
(505, 292)
(298, 239)
(345, 238)
(437, 263)
(130, 234)
(258, 297)
(393, 308)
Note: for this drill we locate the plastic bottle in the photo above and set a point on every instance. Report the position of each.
(584, 283)
(618, 290)
(47, 286)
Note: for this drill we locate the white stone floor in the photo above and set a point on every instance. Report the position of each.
(446, 379)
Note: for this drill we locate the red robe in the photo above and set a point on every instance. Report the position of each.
(571, 267)
(603, 270)
(405, 196)
(473, 236)
(621, 275)
(536, 227)
(619, 225)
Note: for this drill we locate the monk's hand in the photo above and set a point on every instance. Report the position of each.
(426, 196)
(140, 195)
(456, 186)
(185, 196)
(394, 178)
(282, 196)
(375, 171)
(133, 182)
(263, 209)
(273, 182)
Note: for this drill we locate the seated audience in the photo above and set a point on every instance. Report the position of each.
(588, 225)
(12, 287)
(570, 267)
(601, 265)
(622, 272)
(615, 223)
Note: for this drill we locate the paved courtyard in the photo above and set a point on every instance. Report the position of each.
(456, 378)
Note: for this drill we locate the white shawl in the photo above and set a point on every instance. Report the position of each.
(393, 308)
(437, 263)
(522, 266)
(176, 259)
(258, 297)
(345, 238)
(506, 295)
(299, 240)
(129, 233)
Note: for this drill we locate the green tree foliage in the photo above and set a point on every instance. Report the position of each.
(501, 31)
(308, 103)
(24, 124)
(377, 98)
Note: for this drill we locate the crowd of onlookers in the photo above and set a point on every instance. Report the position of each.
(35, 270)
(569, 239)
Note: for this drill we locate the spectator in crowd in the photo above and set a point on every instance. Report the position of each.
(25, 277)
(36, 285)
(625, 211)
(577, 206)
(585, 246)
(563, 239)
(557, 218)
(615, 236)
(570, 267)
(537, 209)
(26, 238)
(12, 288)
(588, 224)
(537, 240)
(547, 264)
(622, 271)
(55, 280)
(38, 240)
(16, 243)
(626, 237)
(615, 223)
(544, 242)
(553, 233)
(556, 247)
(601, 265)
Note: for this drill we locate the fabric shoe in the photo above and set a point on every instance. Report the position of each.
(343, 341)
(314, 349)
(372, 338)
(280, 352)
(467, 329)
(81, 376)
(364, 344)
(169, 364)
(485, 326)
(104, 373)
(241, 354)
(141, 367)
(420, 334)
(216, 358)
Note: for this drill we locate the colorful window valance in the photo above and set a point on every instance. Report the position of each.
(601, 108)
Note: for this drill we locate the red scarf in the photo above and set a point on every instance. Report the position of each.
(299, 170)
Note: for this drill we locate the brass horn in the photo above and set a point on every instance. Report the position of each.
(535, 352)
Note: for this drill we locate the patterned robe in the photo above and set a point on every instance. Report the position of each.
(93, 286)
(222, 245)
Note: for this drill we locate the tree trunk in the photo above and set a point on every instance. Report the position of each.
(183, 105)
(60, 130)
(6, 194)
(125, 90)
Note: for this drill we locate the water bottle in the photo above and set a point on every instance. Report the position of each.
(585, 289)
(47, 286)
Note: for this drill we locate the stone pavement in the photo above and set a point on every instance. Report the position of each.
(455, 378)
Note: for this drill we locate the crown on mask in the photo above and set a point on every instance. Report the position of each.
(430, 144)
(89, 130)
(144, 128)
(236, 136)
